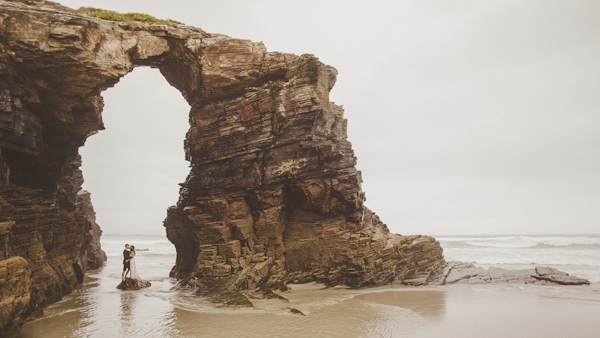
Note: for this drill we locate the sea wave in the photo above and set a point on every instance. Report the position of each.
(525, 256)
(567, 246)
(514, 242)
(458, 245)
(478, 245)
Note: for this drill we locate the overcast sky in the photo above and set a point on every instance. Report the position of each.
(467, 117)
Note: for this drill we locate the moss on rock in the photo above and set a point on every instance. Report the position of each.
(116, 16)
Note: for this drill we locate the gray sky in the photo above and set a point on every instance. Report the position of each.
(467, 117)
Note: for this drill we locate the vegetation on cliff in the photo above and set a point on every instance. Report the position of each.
(116, 16)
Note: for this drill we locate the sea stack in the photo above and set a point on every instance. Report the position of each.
(273, 195)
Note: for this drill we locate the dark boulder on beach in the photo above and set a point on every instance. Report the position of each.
(133, 284)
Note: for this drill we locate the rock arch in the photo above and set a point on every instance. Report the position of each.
(273, 195)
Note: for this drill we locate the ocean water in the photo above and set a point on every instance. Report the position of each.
(98, 309)
(155, 254)
(578, 255)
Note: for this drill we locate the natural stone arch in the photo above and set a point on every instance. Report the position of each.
(273, 194)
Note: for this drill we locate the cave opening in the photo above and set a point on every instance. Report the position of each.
(133, 168)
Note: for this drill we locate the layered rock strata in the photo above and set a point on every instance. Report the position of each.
(15, 288)
(43, 244)
(273, 195)
(94, 256)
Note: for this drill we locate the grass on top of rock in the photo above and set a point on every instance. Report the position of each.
(116, 16)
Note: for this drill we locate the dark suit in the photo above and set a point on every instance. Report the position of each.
(126, 258)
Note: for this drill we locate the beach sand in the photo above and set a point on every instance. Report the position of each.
(98, 309)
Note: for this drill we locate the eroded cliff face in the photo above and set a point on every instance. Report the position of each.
(93, 256)
(273, 195)
(49, 243)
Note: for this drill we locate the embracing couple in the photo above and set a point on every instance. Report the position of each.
(129, 263)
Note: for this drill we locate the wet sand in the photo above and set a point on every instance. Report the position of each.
(98, 309)
(465, 311)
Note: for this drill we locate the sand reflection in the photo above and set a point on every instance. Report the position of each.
(329, 313)
(426, 303)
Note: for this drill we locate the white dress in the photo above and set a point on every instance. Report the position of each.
(134, 272)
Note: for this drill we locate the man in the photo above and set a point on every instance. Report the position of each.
(126, 259)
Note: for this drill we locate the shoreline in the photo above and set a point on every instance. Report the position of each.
(98, 309)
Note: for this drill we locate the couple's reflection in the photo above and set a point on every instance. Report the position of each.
(127, 310)
(147, 314)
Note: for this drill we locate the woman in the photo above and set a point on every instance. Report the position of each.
(134, 272)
